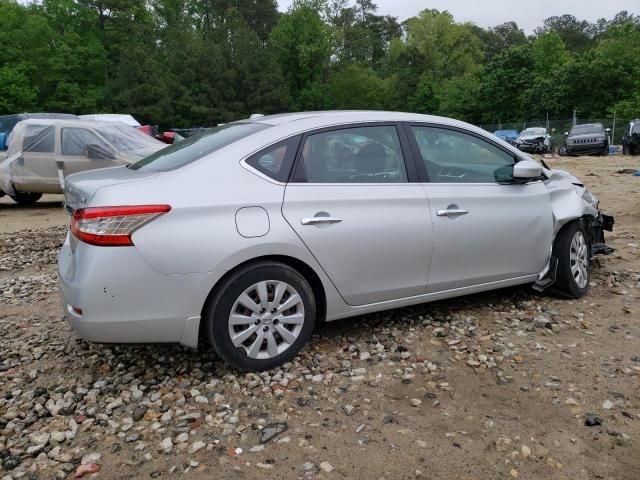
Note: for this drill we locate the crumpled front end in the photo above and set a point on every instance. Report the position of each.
(571, 201)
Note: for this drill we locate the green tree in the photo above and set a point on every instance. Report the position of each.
(549, 53)
(302, 44)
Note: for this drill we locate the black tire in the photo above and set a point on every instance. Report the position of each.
(566, 284)
(25, 198)
(562, 151)
(218, 309)
(625, 148)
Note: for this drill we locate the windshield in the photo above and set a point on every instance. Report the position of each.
(582, 129)
(532, 131)
(196, 147)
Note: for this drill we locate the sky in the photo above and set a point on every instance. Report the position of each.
(528, 14)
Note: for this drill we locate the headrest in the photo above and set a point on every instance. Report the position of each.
(371, 158)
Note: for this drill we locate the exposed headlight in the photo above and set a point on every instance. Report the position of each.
(588, 197)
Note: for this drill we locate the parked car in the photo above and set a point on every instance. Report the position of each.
(7, 122)
(41, 152)
(631, 138)
(244, 237)
(534, 140)
(508, 136)
(586, 139)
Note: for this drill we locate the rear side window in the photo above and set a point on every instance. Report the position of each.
(196, 147)
(39, 139)
(352, 155)
(276, 161)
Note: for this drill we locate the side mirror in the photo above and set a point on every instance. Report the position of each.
(98, 152)
(566, 134)
(527, 170)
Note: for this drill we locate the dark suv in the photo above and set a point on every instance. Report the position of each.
(631, 138)
(587, 139)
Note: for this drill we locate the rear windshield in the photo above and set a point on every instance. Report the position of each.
(582, 129)
(196, 147)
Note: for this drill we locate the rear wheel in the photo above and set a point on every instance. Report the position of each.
(25, 198)
(573, 252)
(261, 316)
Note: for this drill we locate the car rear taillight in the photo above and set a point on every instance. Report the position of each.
(113, 226)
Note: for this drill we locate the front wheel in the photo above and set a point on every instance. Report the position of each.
(562, 151)
(573, 252)
(261, 316)
(625, 148)
(24, 198)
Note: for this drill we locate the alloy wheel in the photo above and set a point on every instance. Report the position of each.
(266, 319)
(579, 259)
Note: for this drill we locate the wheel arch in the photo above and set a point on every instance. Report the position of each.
(300, 266)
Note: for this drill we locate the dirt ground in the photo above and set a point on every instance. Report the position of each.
(491, 386)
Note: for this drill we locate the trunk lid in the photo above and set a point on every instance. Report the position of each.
(80, 188)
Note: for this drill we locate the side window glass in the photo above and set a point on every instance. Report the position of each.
(76, 140)
(276, 161)
(39, 139)
(450, 156)
(353, 155)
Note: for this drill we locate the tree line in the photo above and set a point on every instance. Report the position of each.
(181, 63)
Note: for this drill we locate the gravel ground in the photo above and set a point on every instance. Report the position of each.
(508, 384)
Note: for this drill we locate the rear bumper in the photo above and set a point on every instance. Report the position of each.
(122, 300)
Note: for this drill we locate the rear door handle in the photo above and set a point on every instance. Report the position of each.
(320, 220)
(452, 212)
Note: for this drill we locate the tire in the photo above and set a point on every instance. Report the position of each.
(25, 198)
(264, 344)
(562, 151)
(625, 148)
(572, 274)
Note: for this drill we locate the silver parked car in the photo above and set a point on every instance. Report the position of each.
(247, 235)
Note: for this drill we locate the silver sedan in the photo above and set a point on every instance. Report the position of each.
(247, 235)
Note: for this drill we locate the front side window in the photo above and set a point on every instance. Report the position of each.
(39, 139)
(352, 155)
(451, 156)
(75, 141)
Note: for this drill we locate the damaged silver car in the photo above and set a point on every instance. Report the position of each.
(245, 236)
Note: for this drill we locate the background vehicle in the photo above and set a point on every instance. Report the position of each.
(41, 152)
(249, 234)
(585, 139)
(7, 122)
(631, 138)
(508, 136)
(534, 140)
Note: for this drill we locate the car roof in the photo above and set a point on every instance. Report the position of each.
(331, 117)
(69, 123)
(588, 125)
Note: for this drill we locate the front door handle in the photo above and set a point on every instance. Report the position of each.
(453, 212)
(320, 220)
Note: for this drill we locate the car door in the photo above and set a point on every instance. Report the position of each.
(82, 149)
(35, 169)
(352, 203)
(487, 227)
